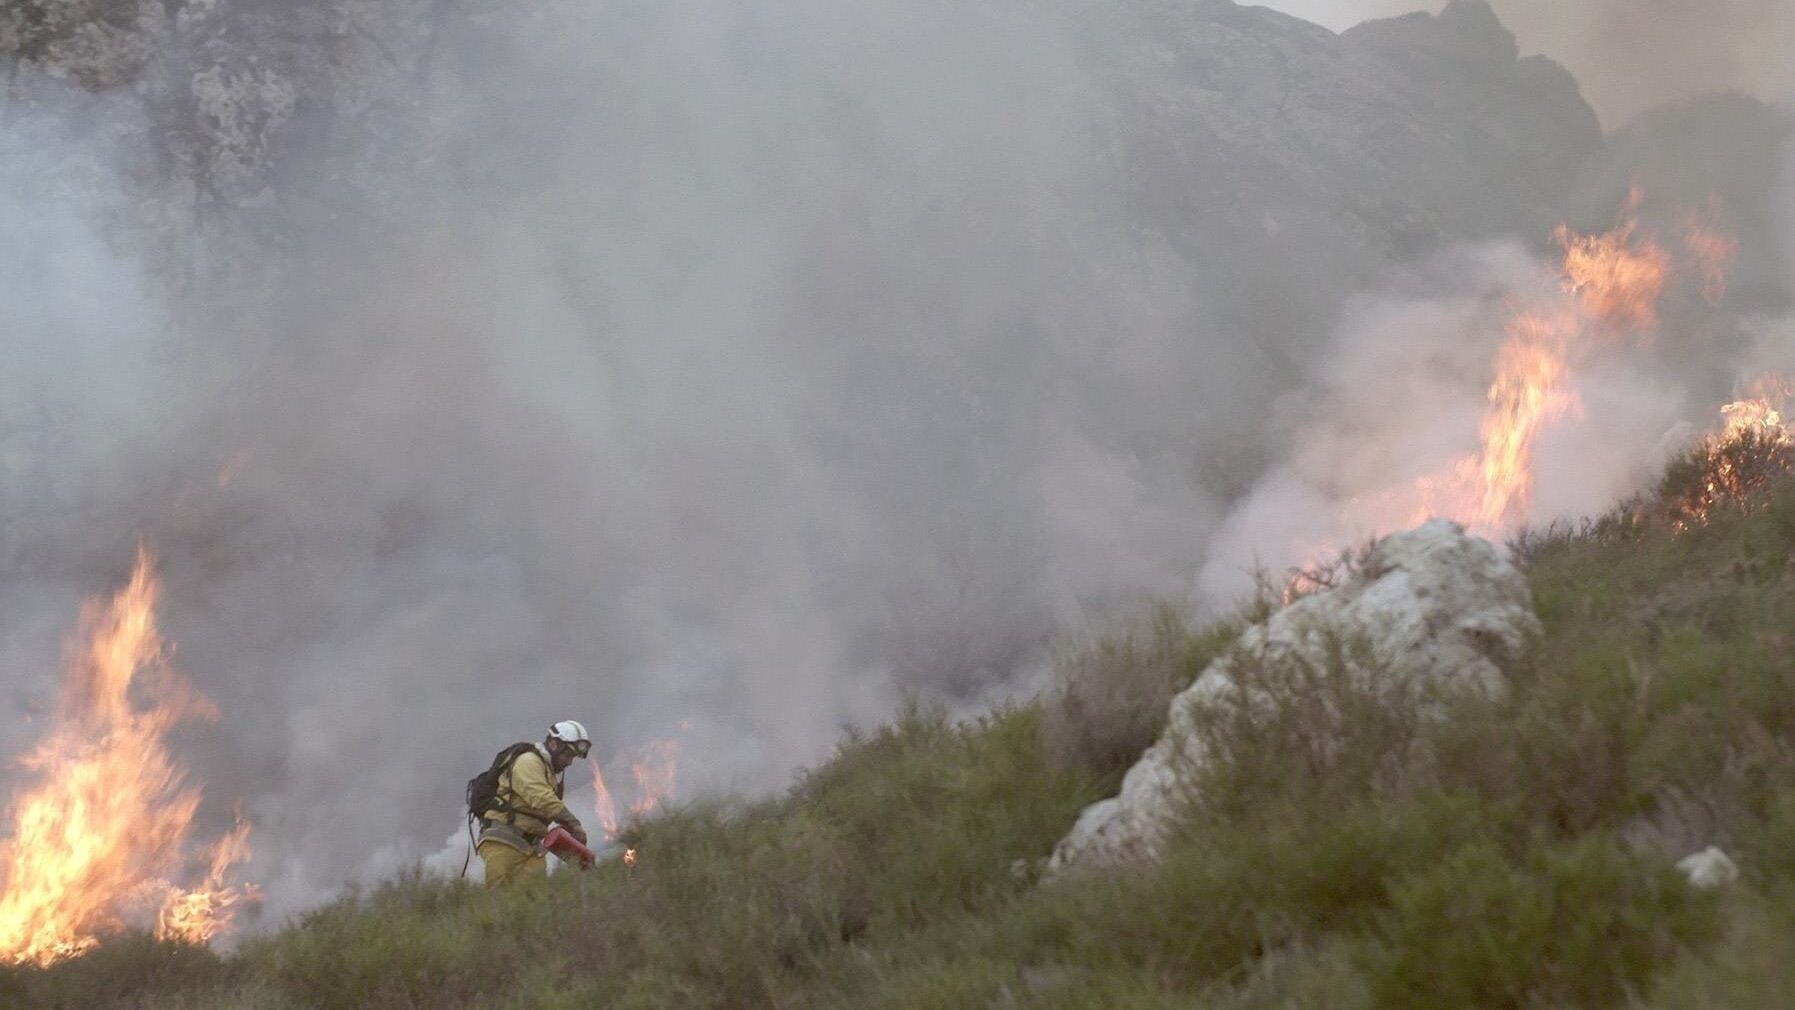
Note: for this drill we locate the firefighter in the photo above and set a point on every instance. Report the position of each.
(528, 803)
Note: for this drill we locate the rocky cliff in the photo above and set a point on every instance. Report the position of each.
(1277, 162)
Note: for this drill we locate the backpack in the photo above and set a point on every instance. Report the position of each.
(483, 789)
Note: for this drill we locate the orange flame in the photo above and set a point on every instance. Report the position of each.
(1615, 279)
(1743, 457)
(1751, 415)
(1761, 408)
(1712, 248)
(233, 466)
(198, 915)
(1611, 284)
(654, 768)
(1528, 391)
(655, 771)
(607, 809)
(95, 843)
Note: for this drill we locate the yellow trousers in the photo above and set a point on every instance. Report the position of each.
(506, 865)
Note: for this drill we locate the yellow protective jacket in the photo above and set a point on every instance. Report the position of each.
(533, 790)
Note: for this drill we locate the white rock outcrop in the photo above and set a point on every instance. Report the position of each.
(1709, 868)
(1432, 603)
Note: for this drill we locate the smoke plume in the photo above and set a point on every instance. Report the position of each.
(642, 375)
(723, 372)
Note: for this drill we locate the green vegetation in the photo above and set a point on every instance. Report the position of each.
(1341, 849)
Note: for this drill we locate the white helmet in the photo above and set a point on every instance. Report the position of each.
(572, 734)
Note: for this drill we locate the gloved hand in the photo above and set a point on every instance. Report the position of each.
(573, 828)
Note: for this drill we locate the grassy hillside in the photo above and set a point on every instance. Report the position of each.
(1511, 853)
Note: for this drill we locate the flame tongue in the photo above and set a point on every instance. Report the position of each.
(96, 841)
(1617, 280)
(1611, 284)
(607, 808)
(1760, 411)
(1712, 248)
(196, 916)
(654, 767)
(1527, 392)
(655, 770)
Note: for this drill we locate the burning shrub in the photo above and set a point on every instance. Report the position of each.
(99, 835)
(1318, 576)
(1113, 695)
(1736, 471)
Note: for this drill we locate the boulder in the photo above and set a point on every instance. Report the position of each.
(1432, 604)
(1708, 869)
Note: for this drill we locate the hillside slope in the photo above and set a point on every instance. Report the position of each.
(855, 346)
(1526, 861)
(493, 356)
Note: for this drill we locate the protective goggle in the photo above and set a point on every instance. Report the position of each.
(580, 748)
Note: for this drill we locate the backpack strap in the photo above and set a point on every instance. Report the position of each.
(507, 758)
(506, 807)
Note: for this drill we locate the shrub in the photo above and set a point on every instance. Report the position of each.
(130, 967)
(721, 911)
(933, 815)
(1624, 525)
(1768, 850)
(1285, 725)
(1737, 472)
(1747, 970)
(1573, 735)
(1228, 892)
(1583, 923)
(1110, 701)
(1322, 976)
(1318, 576)
(1355, 840)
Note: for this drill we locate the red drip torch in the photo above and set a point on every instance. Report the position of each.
(567, 848)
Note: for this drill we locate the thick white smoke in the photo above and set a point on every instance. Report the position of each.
(719, 372)
(80, 381)
(698, 392)
(1396, 404)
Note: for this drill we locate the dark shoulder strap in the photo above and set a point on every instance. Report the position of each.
(557, 780)
(503, 762)
(508, 759)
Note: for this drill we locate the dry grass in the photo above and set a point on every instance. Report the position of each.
(1355, 836)
(1112, 694)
